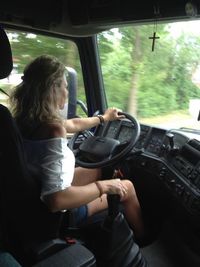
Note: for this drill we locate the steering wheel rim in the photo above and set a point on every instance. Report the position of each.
(113, 160)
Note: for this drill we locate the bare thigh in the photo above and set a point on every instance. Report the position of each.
(83, 176)
(97, 205)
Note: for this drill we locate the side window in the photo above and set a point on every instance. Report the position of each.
(27, 46)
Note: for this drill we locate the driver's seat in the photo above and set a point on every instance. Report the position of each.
(27, 225)
(20, 193)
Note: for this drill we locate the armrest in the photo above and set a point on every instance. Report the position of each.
(74, 256)
(47, 248)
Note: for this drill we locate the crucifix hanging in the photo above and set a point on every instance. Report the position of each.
(154, 37)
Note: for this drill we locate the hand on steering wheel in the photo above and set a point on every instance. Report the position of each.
(100, 150)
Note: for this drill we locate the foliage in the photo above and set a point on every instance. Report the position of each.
(161, 80)
(157, 82)
(26, 47)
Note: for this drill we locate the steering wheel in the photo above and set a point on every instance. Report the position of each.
(99, 150)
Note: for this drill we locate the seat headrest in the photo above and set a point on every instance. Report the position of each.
(6, 62)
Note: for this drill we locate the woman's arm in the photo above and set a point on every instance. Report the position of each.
(75, 196)
(80, 124)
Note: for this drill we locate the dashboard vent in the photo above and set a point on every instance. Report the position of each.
(195, 144)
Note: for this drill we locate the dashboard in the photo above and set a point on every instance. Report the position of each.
(121, 130)
(173, 156)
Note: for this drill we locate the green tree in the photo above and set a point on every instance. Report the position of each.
(147, 83)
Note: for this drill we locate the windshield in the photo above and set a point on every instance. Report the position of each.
(155, 79)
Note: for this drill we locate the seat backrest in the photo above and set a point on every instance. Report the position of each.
(24, 219)
(6, 62)
(6, 65)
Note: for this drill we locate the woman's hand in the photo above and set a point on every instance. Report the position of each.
(114, 186)
(111, 114)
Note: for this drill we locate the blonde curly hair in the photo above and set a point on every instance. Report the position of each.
(34, 101)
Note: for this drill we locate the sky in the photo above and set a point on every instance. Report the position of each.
(176, 28)
(185, 26)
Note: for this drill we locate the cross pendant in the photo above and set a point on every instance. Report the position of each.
(154, 37)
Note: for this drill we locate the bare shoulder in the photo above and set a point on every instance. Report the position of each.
(56, 130)
(49, 130)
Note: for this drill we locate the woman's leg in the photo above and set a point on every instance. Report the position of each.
(83, 176)
(130, 201)
(97, 205)
(131, 205)
(132, 210)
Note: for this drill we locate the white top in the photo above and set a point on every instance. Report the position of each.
(52, 161)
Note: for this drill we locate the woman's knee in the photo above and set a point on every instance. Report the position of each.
(128, 184)
(130, 187)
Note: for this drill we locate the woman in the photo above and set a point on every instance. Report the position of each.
(36, 103)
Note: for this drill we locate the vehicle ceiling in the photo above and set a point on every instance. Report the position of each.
(86, 17)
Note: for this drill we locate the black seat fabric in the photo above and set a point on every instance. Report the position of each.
(25, 219)
(72, 256)
(6, 63)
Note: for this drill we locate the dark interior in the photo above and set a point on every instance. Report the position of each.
(164, 165)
